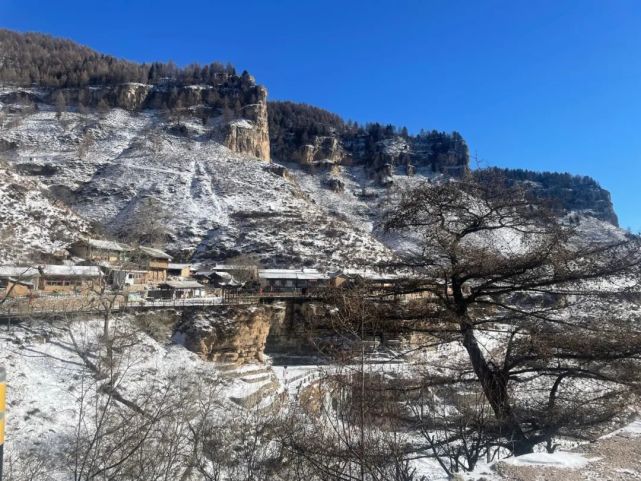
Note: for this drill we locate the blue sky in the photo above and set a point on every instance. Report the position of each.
(543, 85)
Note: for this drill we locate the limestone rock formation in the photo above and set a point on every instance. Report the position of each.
(228, 334)
(324, 148)
(250, 135)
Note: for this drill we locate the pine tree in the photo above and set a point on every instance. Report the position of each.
(60, 103)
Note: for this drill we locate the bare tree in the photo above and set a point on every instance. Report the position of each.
(148, 224)
(541, 312)
(158, 431)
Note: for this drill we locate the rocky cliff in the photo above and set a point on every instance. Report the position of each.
(312, 137)
(234, 113)
(250, 135)
(566, 192)
(309, 135)
(228, 334)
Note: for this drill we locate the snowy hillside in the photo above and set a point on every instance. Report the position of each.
(31, 222)
(121, 169)
(109, 168)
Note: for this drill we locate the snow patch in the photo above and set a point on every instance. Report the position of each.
(558, 459)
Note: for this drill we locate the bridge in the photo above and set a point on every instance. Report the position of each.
(63, 305)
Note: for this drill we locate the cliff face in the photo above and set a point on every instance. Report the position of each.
(251, 135)
(566, 192)
(325, 148)
(308, 135)
(228, 334)
(235, 113)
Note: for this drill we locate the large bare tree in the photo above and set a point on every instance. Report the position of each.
(543, 314)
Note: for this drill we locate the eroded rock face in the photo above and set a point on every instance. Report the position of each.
(228, 334)
(310, 329)
(250, 135)
(322, 148)
(247, 134)
(131, 96)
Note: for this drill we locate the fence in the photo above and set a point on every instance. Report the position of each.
(52, 305)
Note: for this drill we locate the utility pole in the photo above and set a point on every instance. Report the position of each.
(3, 392)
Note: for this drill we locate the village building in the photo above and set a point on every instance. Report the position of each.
(291, 279)
(179, 270)
(237, 270)
(130, 280)
(155, 262)
(18, 281)
(230, 274)
(69, 279)
(176, 290)
(100, 251)
(351, 277)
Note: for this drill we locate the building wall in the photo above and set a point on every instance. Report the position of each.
(184, 272)
(93, 254)
(17, 290)
(158, 264)
(156, 275)
(67, 284)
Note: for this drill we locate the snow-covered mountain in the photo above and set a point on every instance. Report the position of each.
(109, 167)
(116, 169)
(109, 147)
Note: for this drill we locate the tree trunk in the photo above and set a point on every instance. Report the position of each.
(494, 385)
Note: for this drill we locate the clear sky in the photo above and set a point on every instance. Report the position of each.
(537, 84)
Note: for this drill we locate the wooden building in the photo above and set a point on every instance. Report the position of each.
(130, 280)
(100, 251)
(69, 279)
(179, 270)
(176, 290)
(351, 277)
(18, 281)
(155, 262)
(291, 279)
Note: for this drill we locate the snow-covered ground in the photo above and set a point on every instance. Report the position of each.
(47, 378)
(31, 222)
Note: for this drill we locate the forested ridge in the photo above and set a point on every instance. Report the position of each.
(571, 192)
(294, 125)
(35, 59)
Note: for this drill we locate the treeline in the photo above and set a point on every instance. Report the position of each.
(293, 125)
(35, 59)
(571, 192)
(298, 123)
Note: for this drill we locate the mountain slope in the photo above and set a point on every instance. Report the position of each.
(177, 152)
(33, 224)
(111, 167)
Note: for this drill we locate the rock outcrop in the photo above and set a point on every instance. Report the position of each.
(324, 148)
(243, 129)
(307, 135)
(228, 334)
(250, 135)
(565, 192)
